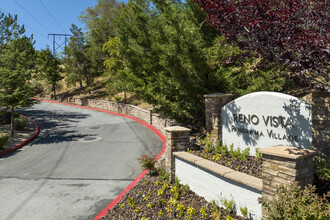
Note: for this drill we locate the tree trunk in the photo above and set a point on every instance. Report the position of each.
(12, 122)
(80, 82)
(125, 97)
(54, 92)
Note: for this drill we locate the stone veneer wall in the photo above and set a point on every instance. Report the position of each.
(145, 115)
(320, 102)
(213, 105)
(177, 139)
(283, 165)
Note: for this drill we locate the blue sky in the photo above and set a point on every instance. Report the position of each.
(33, 14)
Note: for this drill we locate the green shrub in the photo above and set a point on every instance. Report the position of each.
(294, 202)
(244, 211)
(164, 176)
(4, 137)
(20, 123)
(135, 102)
(322, 168)
(258, 155)
(4, 117)
(147, 162)
(207, 142)
(229, 205)
(217, 148)
(224, 150)
(117, 99)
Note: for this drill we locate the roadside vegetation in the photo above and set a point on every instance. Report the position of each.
(157, 197)
(168, 54)
(20, 123)
(236, 159)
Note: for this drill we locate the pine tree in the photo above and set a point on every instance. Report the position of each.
(9, 29)
(49, 68)
(172, 57)
(15, 72)
(77, 64)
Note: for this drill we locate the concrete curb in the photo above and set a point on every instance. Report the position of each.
(28, 140)
(121, 195)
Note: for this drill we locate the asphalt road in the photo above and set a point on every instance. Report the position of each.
(81, 160)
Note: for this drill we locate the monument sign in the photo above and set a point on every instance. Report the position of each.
(266, 119)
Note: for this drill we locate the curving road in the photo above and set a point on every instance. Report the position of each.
(81, 160)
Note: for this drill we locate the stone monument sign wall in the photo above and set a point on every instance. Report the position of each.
(266, 119)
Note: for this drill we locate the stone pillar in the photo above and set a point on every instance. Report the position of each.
(213, 104)
(320, 102)
(177, 139)
(283, 165)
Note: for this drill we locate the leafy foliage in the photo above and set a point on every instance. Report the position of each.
(322, 168)
(244, 211)
(9, 29)
(114, 64)
(99, 21)
(4, 137)
(16, 64)
(20, 123)
(147, 162)
(229, 205)
(292, 33)
(171, 58)
(78, 64)
(49, 68)
(4, 117)
(293, 202)
(15, 71)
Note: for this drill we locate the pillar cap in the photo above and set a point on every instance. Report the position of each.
(287, 152)
(177, 129)
(214, 95)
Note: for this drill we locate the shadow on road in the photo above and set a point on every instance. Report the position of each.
(56, 126)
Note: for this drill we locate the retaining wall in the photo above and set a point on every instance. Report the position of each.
(145, 115)
(215, 182)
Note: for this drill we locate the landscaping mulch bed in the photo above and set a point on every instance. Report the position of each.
(251, 166)
(155, 198)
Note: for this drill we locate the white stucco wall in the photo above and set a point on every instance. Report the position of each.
(212, 186)
(266, 119)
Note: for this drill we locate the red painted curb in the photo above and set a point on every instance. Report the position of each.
(160, 135)
(33, 136)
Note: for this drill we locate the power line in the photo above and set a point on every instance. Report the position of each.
(25, 25)
(32, 16)
(51, 15)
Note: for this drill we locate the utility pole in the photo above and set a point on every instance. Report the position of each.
(56, 45)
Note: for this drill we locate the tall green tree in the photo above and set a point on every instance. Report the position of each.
(78, 65)
(15, 72)
(114, 66)
(48, 68)
(172, 57)
(99, 21)
(9, 28)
